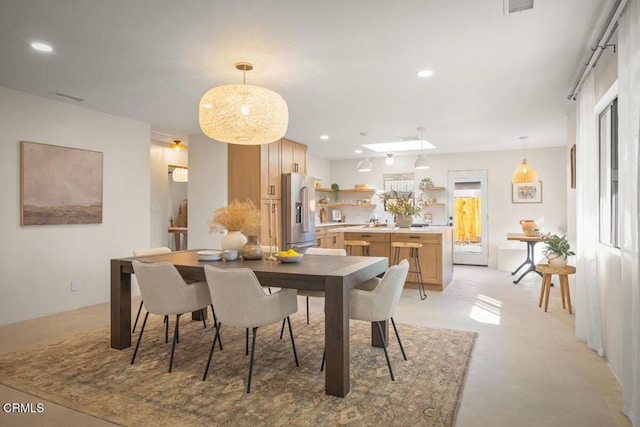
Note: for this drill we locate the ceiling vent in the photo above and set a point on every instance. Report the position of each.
(67, 96)
(513, 6)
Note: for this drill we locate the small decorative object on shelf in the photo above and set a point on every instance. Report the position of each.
(425, 184)
(336, 191)
(557, 249)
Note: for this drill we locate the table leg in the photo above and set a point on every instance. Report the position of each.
(530, 260)
(120, 307)
(542, 288)
(548, 289)
(565, 279)
(336, 336)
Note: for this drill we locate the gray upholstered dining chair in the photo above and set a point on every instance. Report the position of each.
(150, 252)
(378, 303)
(240, 302)
(165, 292)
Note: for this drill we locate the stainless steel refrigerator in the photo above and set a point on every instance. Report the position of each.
(298, 211)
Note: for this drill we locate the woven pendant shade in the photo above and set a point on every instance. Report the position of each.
(524, 173)
(243, 114)
(180, 175)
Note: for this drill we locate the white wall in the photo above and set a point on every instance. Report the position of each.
(39, 262)
(161, 157)
(503, 215)
(207, 189)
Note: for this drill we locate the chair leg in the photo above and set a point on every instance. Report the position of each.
(215, 325)
(213, 346)
(204, 317)
(246, 343)
(253, 349)
(423, 293)
(166, 328)
(175, 339)
(293, 343)
(282, 328)
(307, 311)
(384, 347)
(137, 317)
(398, 336)
(144, 323)
(324, 355)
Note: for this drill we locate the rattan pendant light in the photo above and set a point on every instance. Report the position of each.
(243, 114)
(524, 173)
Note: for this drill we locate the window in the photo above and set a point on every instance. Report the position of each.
(609, 175)
(400, 185)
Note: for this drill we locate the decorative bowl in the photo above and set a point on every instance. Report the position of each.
(209, 255)
(288, 258)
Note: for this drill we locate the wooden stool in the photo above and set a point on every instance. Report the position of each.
(414, 255)
(349, 244)
(562, 272)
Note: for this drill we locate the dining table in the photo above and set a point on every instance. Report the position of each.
(335, 275)
(530, 260)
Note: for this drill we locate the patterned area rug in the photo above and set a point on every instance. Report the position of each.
(84, 374)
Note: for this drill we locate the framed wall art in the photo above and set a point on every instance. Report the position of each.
(526, 192)
(59, 185)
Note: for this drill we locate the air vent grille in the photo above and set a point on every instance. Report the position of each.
(513, 6)
(67, 96)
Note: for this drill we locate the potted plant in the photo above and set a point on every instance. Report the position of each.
(403, 207)
(336, 191)
(557, 249)
(425, 184)
(237, 217)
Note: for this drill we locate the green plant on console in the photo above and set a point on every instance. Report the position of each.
(556, 244)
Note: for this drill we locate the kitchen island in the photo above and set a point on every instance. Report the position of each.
(436, 253)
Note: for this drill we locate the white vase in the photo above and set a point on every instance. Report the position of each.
(556, 260)
(404, 221)
(234, 240)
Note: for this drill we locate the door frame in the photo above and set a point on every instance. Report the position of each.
(462, 176)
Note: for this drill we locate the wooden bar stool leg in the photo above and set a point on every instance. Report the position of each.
(542, 288)
(565, 279)
(546, 297)
(396, 255)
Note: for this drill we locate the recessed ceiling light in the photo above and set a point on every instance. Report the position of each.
(324, 137)
(41, 47)
(358, 151)
(425, 73)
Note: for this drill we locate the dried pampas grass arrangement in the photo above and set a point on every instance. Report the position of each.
(236, 216)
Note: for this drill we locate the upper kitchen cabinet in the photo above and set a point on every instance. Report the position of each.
(294, 157)
(254, 172)
(270, 175)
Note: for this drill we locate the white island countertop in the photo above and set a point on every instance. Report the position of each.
(436, 229)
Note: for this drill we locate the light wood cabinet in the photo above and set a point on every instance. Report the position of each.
(430, 255)
(321, 237)
(270, 176)
(269, 222)
(294, 157)
(334, 240)
(379, 242)
(254, 172)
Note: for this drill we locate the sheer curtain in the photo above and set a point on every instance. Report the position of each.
(587, 297)
(629, 128)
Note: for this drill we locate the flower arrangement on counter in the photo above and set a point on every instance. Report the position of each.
(236, 216)
(397, 204)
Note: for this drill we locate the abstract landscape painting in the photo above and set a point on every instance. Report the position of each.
(60, 185)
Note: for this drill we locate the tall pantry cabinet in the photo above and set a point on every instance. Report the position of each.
(255, 173)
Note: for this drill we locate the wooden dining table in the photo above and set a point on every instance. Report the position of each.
(335, 275)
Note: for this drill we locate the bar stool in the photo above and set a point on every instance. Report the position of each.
(562, 272)
(414, 255)
(349, 244)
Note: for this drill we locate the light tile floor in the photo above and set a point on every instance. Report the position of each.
(528, 369)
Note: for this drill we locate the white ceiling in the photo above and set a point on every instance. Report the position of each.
(343, 66)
